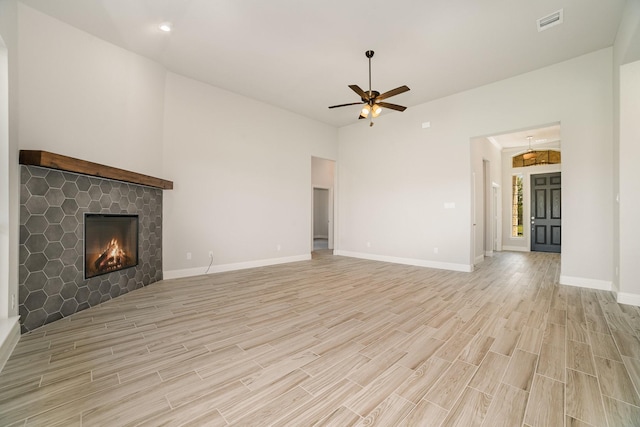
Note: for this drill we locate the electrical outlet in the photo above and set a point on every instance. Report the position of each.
(211, 254)
(435, 250)
(188, 255)
(278, 247)
(368, 244)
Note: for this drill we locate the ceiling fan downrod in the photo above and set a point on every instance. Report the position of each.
(369, 55)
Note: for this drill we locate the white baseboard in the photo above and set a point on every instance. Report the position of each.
(629, 299)
(515, 248)
(198, 271)
(9, 337)
(407, 261)
(582, 282)
(479, 259)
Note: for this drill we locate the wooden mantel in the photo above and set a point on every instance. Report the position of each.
(69, 164)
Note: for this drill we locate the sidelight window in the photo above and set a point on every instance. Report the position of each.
(517, 224)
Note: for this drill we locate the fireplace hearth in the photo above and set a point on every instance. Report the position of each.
(111, 243)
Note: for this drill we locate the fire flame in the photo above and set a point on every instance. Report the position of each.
(114, 250)
(113, 257)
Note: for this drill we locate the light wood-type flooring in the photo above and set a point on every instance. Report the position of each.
(336, 341)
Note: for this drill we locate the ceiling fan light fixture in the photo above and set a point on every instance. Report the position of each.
(371, 97)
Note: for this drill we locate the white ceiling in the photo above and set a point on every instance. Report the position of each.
(302, 55)
(547, 137)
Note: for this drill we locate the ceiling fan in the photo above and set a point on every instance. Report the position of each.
(372, 99)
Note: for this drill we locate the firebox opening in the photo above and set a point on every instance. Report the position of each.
(110, 243)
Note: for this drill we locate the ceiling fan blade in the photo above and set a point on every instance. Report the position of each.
(393, 92)
(344, 105)
(360, 92)
(392, 106)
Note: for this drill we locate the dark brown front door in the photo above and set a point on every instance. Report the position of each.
(546, 212)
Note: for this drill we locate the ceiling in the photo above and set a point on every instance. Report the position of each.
(302, 55)
(543, 137)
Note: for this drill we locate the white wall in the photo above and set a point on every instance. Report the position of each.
(242, 174)
(629, 285)
(396, 177)
(9, 179)
(8, 156)
(626, 51)
(322, 171)
(86, 98)
(4, 177)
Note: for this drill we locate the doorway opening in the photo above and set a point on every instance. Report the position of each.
(322, 204)
(503, 167)
(528, 153)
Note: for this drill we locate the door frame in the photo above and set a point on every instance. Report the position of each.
(324, 175)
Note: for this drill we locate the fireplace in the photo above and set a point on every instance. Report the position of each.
(54, 204)
(110, 243)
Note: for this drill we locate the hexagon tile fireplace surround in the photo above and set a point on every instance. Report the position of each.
(55, 194)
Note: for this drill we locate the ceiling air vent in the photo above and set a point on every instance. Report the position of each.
(550, 20)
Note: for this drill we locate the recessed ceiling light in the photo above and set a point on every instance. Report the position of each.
(165, 26)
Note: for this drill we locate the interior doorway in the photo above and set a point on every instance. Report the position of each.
(523, 154)
(322, 204)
